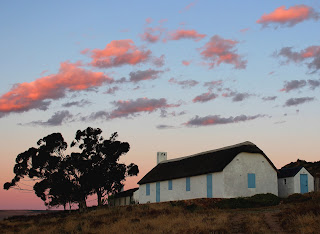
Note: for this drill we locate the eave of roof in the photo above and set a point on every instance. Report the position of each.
(201, 163)
(288, 172)
(126, 193)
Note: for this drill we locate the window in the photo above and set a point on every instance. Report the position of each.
(285, 181)
(147, 189)
(188, 184)
(170, 185)
(251, 180)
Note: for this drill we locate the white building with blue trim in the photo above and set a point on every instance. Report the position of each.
(235, 171)
(294, 180)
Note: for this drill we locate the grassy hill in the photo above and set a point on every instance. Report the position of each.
(296, 214)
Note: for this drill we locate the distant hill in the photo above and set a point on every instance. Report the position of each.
(312, 167)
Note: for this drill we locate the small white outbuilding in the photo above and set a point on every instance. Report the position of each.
(127, 197)
(294, 180)
(234, 171)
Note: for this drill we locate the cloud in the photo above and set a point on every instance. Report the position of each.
(80, 103)
(37, 94)
(190, 5)
(270, 98)
(132, 108)
(185, 34)
(149, 20)
(244, 30)
(118, 53)
(164, 113)
(144, 75)
(152, 35)
(298, 101)
(216, 120)
(185, 62)
(237, 97)
(310, 54)
(212, 84)
(163, 126)
(56, 120)
(112, 90)
(293, 84)
(298, 84)
(288, 17)
(158, 62)
(184, 83)
(205, 97)
(219, 50)
(314, 83)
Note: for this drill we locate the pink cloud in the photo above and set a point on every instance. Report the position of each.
(244, 30)
(219, 50)
(35, 95)
(186, 63)
(149, 20)
(152, 35)
(118, 53)
(288, 17)
(190, 5)
(186, 34)
(205, 97)
(310, 54)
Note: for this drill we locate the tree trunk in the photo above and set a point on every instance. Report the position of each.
(82, 204)
(99, 194)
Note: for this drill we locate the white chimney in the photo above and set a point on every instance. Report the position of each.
(161, 156)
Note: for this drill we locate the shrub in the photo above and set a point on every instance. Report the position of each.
(258, 200)
(296, 197)
(267, 199)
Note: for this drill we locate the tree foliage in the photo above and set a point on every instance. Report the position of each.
(65, 179)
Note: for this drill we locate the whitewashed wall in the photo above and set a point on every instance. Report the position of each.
(136, 196)
(236, 176)
(285, 189)
(297, 181)
(198, 189)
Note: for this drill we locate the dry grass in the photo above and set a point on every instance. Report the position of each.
(197, 216)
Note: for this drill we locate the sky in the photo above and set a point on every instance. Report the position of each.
(180, 77)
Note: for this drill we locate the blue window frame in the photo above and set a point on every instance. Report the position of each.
(251, 180)
(147, 189)
(188, 184)
(169, 184)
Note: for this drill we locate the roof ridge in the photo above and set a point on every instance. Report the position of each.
(209, 151)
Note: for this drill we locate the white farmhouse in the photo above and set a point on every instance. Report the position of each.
(238, 170)
(294, 180)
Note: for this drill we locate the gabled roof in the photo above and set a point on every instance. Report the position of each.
(201, 163)
(127, 193)
(288, 172)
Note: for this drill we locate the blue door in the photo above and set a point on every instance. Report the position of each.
(209, 186)
(303, 183)
(158, 192)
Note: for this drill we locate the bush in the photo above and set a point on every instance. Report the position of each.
(296, 197)
(267, 199)
(258, 200)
